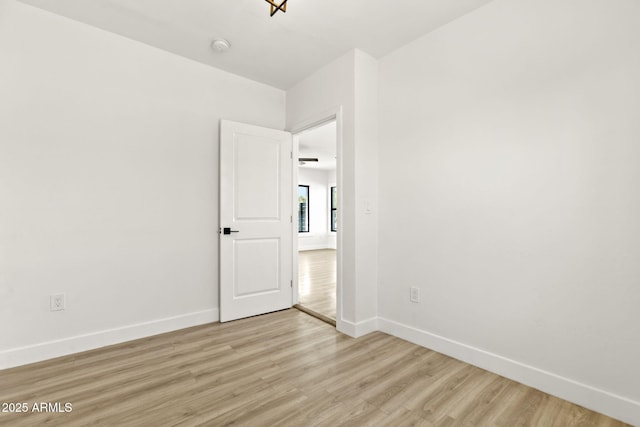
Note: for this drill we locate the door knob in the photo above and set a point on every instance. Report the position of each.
(228, 230)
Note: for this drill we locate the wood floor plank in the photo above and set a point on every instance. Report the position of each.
(317, 281)
(284, 369)
(480, 404)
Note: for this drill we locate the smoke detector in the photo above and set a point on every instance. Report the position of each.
(220, 45)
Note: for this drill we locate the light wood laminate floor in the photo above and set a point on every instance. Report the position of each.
(317, 281)
(280, 369)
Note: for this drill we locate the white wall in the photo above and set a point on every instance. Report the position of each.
(366, 180)
(108, 184)
(349, 83)
(318, 235)
(509, 195)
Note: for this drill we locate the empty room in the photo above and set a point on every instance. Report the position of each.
(471, 209)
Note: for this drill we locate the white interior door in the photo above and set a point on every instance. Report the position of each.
(256, 230)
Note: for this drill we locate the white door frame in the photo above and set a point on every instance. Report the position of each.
(316, 121)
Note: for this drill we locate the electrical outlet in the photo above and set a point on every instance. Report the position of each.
(57, 302)
(415, 294)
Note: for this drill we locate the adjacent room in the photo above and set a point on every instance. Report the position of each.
(317, 221)
(449, 188)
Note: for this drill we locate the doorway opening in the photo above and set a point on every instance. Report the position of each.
(317, 214)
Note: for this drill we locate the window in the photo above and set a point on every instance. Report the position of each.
(334, 209)
(303, 208)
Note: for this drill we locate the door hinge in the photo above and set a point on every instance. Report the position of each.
(292, 283)
(291, 219)
(291, 154)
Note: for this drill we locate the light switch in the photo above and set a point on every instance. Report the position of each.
(368, 210)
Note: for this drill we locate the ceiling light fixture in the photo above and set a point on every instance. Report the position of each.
(276, 7)
(305, 160)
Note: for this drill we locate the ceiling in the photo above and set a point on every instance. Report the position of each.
(320, 143)
(280, 50)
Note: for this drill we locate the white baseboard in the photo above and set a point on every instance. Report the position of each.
(313, 247)
(610, 404)
(358, 329)
(50, 349)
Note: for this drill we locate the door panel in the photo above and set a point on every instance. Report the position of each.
(256, 264)
(256, 204)
(257, 178)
